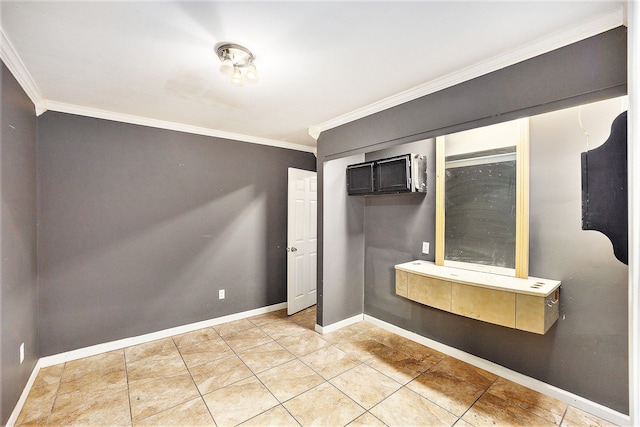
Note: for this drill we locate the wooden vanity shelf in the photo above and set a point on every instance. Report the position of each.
(526, 304)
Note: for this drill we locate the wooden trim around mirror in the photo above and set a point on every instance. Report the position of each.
(522, 201)
(440, 200)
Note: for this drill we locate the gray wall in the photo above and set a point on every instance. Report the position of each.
(395, 227)
(591, 70)
(140, 228)
(592, 330)
(343, 277)
(18, 289)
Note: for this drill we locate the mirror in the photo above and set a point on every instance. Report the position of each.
(482, 199)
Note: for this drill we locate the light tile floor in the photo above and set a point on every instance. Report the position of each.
(275, 370)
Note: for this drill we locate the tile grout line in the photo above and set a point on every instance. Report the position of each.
(295, 358)
(564, 414)
(255, 375)
(478, 398)
(325, 380)
(360, 363)
(55, 397)
(263, 384)
(126, 373)
(191, 375)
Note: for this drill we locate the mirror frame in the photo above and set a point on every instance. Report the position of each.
(522, 200)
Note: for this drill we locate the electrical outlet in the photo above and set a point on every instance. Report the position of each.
(425, 248)
(21, 353)
(221, 294)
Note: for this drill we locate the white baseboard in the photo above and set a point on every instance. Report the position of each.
(23, 397)
(532, 383)
(93, 350)
(339, 325)
(141, 339)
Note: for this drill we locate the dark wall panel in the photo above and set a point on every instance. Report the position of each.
(590, 70)
(18, 287)
(140, 228)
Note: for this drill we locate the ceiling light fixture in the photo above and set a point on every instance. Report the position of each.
(237, 63)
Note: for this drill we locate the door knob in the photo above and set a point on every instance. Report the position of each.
(292, 249)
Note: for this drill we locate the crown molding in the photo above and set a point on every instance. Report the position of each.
(16, 66)
(161, 124)
(605, 22)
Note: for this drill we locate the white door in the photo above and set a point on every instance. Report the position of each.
(302, 240)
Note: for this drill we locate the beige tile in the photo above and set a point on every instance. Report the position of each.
(448, 392)
(351, 333)
(42, 422)
(404, 345)
(239, 402)
(219, 373)
(365, 385)
(490, 410)
(465, 371)
(263, 319)
(289, 380)
(303, 343)
(94, 409)
(308, 323)
(323, 405)
(544, 406)
(154, 349)
(265, 356)
(484, 304)
(39, 402)
(151, 396)
(274, 417)
(204, 351)
(399, 366)
(195, 337)
(306, 318)
(282, 328)
(166, 365)
(231, 328)
(193, 413)
(49, 375)
(246, 339)
(576, 417)
(365, 350)
(462, 423)
(366, 420)
(329, 361)
(104, 362)
(407, 408)
(96, 373)
(37, 407)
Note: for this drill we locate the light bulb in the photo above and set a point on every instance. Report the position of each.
(227, 67)
(251, 74)
(236, 80)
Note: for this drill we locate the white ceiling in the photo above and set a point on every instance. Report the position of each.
(320, 63)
